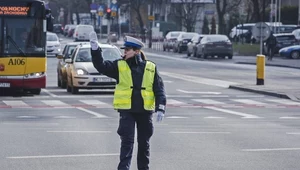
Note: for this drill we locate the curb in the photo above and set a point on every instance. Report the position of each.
(274, 94)
(276, 65)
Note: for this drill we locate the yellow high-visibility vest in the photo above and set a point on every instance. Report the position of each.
(123, 91)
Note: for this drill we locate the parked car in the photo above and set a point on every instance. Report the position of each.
(215, 45)
(53, 44)
(290, 52)
(81, 73)
(170, 40)
(61, 64)
(58, 28)
(81, 32)
(182, 40)
(192, 45)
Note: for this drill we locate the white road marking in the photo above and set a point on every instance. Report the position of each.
(208, 101)
(198, 92)
(64, 117)
(215, 96)
(289, 117)
(27, 117)
(213, 117)
(96, 103)
(97, 115)
(176, 117)
(56, 103)
(271, 149)
(244, 115)
(62, 156)
(49, 93)
(284, 101)
(199, 80)
(249, 96)
(248, 101)
(293, 133)
(175, 102)
(79, 131)
(16, 103)
(200, 132)
(167, 81)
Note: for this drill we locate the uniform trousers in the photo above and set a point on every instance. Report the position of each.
(126, 130)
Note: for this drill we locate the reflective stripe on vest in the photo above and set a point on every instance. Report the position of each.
(123, 91)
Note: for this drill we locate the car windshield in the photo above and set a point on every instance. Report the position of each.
(188, 35)
(84, 54)
(52, 37)
(175, 34)
(217, 38)
(284, 38)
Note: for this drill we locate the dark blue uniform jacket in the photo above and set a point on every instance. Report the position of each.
(137, 66)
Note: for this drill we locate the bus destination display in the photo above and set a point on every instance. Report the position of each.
(13, 10)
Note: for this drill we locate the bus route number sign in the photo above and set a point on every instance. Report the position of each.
(13, 10)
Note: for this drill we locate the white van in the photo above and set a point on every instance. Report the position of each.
(81, 32)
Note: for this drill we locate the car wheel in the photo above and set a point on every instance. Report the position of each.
(74, 90)
(230, 57)
(164, 49)
(188, 54)
(58, 81)
(68, 87)
(295, 55)
(63, 83)
(179, 50)
(35, 91)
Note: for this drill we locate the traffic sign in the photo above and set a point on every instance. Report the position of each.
(261, 31)
(101, 8)
(93, 6)
(114, 7)
(113, 13)
(151, 17)
(100, 13)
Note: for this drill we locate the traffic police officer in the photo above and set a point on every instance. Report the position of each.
(139, 93)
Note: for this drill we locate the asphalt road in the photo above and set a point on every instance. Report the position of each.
(207, 126)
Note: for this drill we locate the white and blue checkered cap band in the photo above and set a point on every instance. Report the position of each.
(133, 42)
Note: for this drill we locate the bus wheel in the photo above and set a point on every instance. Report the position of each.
(35, 91)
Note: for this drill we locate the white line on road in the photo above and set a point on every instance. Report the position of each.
(16, 104)
(289, 117)
(62, 156)
(273, 149)
(248, 101)
(198, 92)
(97, 115)
(293, 133)
(200, 80)
(174, 102)
(213, 117)
(79, 131)
(200, 132)
(176, 117)
(56, 103)
(244, 115)
(96, 103)
(208, 101)
(283, 101)
(49, 93)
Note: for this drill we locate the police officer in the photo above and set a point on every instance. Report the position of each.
(138, 94)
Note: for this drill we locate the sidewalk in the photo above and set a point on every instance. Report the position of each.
(281, 91)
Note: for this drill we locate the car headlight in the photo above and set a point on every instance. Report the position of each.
(81, 72)
(57, 45)
(34, 75)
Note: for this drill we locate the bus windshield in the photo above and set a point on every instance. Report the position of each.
(23, 36)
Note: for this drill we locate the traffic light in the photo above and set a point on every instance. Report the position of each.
(108, 13)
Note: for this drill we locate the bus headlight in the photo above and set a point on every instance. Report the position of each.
(34, 75)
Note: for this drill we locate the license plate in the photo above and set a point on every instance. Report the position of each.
(4, 84)
(102, 79)
(81, 36)
(219, 46)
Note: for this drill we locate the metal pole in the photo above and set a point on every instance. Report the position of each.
(279, 18)
(276, 9)
(299, 12)
(119, 21)
(108, 24)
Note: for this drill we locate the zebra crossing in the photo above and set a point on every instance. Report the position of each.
(171, 103)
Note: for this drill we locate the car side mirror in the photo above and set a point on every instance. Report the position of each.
(59, 56)
(69, 60)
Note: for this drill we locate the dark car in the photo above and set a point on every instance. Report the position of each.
(192, 46)
(215, 45)
(58, 29)
(182, 40)
(283, 40)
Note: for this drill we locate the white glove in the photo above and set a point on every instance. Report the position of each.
(94, 40)
(160, 116)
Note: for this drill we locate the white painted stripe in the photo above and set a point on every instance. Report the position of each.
(198, 92)
(49, 93)
(181, 96)
(62, 156)
(244, 115)
(215, 96)
(167, 81)
(97, 115)
(213, 117)
(55, 103)
(249, 96)
(199, 80)
(79, 131)
(176, 117)
(201, 132)
(16, 103)
(96, 103)
(64, 117)
(175, 102)
(208, 101)
(273, 149)
(289, 117)
(248, 101)
(284, 101)
(27, 117)
(293, 133)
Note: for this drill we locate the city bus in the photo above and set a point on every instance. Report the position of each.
(23, 28)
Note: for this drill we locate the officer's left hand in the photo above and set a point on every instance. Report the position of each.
(160, 116)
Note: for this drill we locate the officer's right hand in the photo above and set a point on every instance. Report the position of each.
(160, 116)
(94, 40)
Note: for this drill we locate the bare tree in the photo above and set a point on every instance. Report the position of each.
(223, 7)
(186, 14)
(259, 7)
